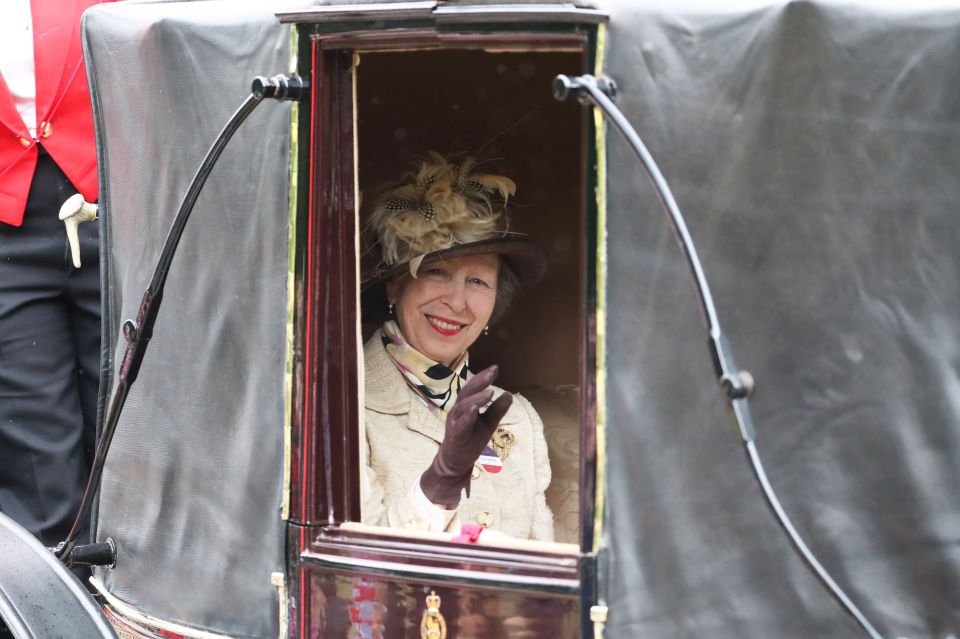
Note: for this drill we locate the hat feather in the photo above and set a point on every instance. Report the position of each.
(436, 206)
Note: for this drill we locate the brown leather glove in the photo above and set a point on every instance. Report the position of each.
(467, 433)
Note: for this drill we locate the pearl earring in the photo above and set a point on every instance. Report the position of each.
(486, 330)
(390, 308)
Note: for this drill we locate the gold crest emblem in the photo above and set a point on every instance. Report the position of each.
(433, 625)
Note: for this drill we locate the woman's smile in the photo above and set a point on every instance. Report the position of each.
(444, 326)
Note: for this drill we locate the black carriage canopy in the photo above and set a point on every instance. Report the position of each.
(812, 147)
(193, 486)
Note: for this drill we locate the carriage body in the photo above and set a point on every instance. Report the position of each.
(810, 145)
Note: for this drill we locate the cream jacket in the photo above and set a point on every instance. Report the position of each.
(402, 437)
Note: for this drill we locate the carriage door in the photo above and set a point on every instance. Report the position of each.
(390, 85)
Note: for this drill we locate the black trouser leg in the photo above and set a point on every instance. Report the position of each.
(49, 349)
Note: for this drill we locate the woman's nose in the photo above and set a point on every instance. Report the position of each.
(456, 296)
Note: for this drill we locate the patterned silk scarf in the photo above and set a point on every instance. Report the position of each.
(435, 382)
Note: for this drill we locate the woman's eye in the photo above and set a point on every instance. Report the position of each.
(476, 281)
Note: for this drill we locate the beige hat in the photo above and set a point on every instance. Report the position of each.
(441, 210)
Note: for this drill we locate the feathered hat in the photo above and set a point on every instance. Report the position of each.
(441, 210)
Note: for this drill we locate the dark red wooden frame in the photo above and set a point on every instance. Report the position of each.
(325, 456)
(326, 460)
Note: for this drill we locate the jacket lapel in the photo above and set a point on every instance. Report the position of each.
(8, 112)
(423, 421)
(54, 39)
(513, 416)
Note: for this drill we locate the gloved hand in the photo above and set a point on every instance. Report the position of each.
(467, 433)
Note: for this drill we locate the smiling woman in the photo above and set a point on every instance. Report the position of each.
(444, 446)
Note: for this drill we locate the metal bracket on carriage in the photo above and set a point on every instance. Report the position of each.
(280, 87)
(564, 86)
(137, 333)
(98, 554)
(735, 384)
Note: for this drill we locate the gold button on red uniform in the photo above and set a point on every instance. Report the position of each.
(25, 142)
(46, 129)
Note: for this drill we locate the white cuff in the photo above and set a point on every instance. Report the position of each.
(438, 518)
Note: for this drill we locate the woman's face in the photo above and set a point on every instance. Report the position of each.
(444, 310)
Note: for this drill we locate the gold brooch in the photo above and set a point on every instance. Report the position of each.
(502, 441)
(433, 625)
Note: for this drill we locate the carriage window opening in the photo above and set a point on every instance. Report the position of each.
(497, 108)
